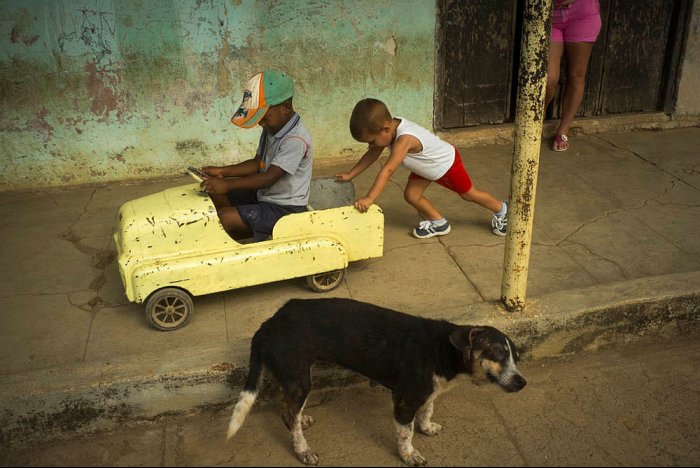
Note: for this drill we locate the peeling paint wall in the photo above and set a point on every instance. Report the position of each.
(105, 90)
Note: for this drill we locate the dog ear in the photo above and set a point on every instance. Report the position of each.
(473, 332)
(462, 339)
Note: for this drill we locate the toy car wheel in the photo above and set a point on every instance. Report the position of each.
(323, 282)
(169, 309)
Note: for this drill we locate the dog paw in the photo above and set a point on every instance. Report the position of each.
(430, 429)
(307, 422)
(414, 459)
(308, 457)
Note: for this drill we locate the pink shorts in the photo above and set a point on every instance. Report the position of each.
(455, 179)
(577, 22)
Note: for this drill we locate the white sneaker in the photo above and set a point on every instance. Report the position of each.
(428, 229)
(499, 224)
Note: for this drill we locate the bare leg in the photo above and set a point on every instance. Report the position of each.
(577, 56)
(220, 200)
(413, 194)
(229, 217)
(556, 50)
(482, 198)
(233, 224)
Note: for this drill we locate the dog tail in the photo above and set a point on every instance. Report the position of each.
(250, 390)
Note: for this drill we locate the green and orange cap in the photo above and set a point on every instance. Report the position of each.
(264, 90)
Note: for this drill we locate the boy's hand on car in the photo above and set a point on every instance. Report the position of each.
(342, 177)
(363, 204)
(215, 185)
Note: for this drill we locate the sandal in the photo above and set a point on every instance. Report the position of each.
(560, 143)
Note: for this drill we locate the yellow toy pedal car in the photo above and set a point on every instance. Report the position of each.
(171, 247)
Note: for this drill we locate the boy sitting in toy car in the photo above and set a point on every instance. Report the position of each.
(253, 195)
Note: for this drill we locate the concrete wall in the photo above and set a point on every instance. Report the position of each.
(104, 90)
(689, 86)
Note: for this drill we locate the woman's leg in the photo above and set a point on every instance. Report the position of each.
(556, 50)
(413, 194)
(577, 56)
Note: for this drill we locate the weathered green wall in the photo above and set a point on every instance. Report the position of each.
(104, 90)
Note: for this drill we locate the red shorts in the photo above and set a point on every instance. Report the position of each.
(455, 179)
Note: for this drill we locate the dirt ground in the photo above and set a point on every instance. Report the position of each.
(631, 404)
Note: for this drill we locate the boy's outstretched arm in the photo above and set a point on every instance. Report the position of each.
(234, 170)
(365, 161)
(398, 152)
(258, 180)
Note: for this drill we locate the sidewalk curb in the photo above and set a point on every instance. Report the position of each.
(58, 402)
(503, 133)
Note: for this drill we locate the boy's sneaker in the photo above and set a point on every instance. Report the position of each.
(499, 224)
(428, 229)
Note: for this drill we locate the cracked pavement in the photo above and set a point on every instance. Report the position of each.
(617, 206)
(618, 210)
(631, 404)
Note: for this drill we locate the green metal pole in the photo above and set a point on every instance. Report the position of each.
(532, 84)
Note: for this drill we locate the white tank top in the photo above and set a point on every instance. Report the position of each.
(437, 155)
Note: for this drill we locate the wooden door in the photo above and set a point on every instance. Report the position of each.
(633, 67)
(475, 65)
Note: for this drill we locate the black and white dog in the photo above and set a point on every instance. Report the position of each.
(412, 356)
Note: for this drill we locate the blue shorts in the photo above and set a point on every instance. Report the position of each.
(259, 216)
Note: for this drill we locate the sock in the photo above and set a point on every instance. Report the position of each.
(503, 211)
(439, 222)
